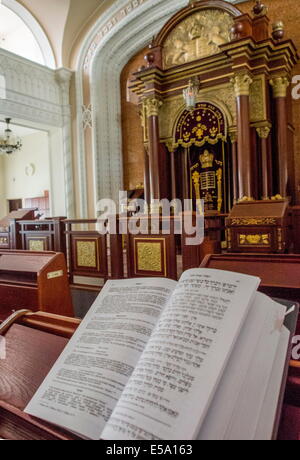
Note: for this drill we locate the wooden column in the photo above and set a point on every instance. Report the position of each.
(147, 177)
(233, 138)
(280, 85)
(153, 105)
(242, 82)
(173, 170)
(263, 133)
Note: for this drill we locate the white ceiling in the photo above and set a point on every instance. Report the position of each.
(20, 131)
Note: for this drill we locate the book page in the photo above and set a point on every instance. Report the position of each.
(255, 385)
(171, 388)
(257, 331)
(82, 389)
(265, 425)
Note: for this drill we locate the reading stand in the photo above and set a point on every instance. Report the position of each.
(33, 345)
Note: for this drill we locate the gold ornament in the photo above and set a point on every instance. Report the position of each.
(152, 106)
(241, 83)
(263, 132)
(280, 86)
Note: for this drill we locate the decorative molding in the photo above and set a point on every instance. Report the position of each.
(87, 117)
(241, 83)
(63, 77)
(117, 48)
(32, 91)
(280, 86)
(250, 221)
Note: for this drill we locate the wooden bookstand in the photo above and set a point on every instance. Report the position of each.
(32, 346)
(8, 236)
(34, 280)
(258, 227)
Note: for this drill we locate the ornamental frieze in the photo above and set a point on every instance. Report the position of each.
(253, 221)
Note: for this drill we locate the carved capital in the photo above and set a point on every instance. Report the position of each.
(152, 106)
(280, 86)
(241, 83)
(263, 132)
(233, 136)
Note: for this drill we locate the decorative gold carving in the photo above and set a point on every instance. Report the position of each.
(207, 159)
(257, 100)
(245, 199)
(36, 245)
(152, 106)
(263, 132)
(3, 240)
(198, 36)
(170, 145)
(233, 136)
(246, 221)
(229, 239)
(221, 96)
(277, 198)
(219, 175)
(280, 86)
(149, 257)
(196, 181)
(254, 240)
(241, 83)
(86, 254)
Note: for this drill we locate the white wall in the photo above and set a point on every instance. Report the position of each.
(57, 195)
(16, 183)
(3, 207)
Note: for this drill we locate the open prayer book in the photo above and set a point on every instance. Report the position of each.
(155, 359)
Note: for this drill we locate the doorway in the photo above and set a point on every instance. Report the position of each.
(15, 205)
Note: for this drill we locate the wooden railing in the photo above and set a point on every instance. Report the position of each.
(93, 258)
(38, 235)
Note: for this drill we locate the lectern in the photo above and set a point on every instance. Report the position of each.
(37, 281)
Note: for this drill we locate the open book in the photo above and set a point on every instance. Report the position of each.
(155, 359)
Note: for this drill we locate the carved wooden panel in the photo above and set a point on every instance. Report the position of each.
(152, 255)
(88, 255)
(198, 36)
(37, 244)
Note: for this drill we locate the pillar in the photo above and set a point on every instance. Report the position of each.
(242, 82)
(263, 133)
(233, 138)
(153, 105)
(280, 85)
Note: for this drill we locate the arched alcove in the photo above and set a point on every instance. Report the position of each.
(114, 39)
